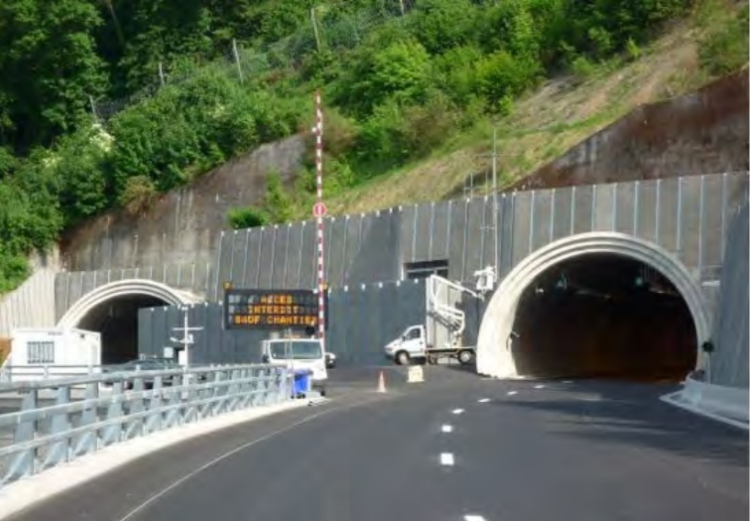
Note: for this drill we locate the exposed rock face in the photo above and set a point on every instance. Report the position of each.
(698, 133)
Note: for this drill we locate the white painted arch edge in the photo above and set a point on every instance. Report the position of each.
(122, 288)
(495, 359)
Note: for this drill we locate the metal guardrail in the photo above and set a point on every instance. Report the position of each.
(63, 429)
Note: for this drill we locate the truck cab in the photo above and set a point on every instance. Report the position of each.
(411, 345)
(296, 354)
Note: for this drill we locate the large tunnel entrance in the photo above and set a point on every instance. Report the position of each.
(117, 321)
(603, 315)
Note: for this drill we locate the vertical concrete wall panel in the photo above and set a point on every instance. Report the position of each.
(625, 208)
(729, 362)
(689, 221)
(646, 211)
(281, 257)
(521, 225)
(604, 207)
(562, 207)
(542, 210)
(584, 203)
(457, 247)
(237, 257)
(711, 227)
(408, 234)
(336, 243)
(667, 196)
(476, 236)
(352, 246)
(438, 248)
(423, 228)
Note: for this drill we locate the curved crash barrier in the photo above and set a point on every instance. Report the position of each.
(60, 420)
(726, 404)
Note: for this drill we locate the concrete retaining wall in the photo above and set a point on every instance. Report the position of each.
(361, 320)
(729, 362)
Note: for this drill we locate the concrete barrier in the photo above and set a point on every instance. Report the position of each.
(727, 404)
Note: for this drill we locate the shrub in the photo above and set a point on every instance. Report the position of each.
(501, 76)
(724, 48)
(138, 194)
(247, 217)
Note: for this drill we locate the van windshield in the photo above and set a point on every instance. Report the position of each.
(296, 350)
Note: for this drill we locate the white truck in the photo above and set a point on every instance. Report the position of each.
(298, 353)
(442, 333)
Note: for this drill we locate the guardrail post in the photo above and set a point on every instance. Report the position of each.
(59, 451)
(282, 384)
(134, 426)
(265, 376)
(245, 388)
(219, 391)
(153, 421)
(174, 416)
(233, 403)
(23, 464)
(111, 433)
(87, 442)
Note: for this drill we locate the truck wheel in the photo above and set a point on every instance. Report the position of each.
(403, 358)
(466, 356)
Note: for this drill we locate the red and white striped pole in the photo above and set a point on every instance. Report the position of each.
(319, 212)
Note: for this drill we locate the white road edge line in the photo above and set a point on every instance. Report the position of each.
(234, 451)
(511, 393)
(457, 411)
(446, 458)
(483, 400)
(473, 518)
(446, 428)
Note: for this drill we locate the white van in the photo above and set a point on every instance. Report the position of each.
(298, 353)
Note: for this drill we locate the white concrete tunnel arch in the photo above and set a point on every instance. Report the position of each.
(494, 357)
(124, 288)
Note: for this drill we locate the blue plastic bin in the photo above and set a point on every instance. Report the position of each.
(302, 382)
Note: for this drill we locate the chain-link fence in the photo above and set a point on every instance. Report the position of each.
(331, 27)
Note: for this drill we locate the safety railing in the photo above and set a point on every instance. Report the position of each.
(46, 425)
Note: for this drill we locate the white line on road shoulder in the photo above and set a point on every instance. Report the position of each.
(446, 458)
(458, 411)
(483, 400)
(473, 518)
(446, 428)
(511, 393)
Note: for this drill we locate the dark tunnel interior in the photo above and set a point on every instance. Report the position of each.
(117, 321)
(603, 316)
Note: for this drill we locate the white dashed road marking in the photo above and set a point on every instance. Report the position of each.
(446, 458)
(457, 411)
(483, 400)
(539, 386)
(511, 393)
(473, 518)
(447, 428)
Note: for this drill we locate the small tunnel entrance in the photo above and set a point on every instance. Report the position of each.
(603, 316)
(117, 321)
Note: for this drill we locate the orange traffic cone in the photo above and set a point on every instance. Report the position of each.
(381, 383)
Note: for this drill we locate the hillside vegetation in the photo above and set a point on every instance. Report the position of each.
(403, 82)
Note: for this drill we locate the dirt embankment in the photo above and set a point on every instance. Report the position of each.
(698, 133)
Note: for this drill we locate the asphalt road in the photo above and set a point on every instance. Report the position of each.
(528, 451)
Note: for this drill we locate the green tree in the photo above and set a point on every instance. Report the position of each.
(400, 71)
(49, 69)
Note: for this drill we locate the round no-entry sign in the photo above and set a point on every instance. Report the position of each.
(319, 209)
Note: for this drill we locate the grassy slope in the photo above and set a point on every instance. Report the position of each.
(542, 126)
